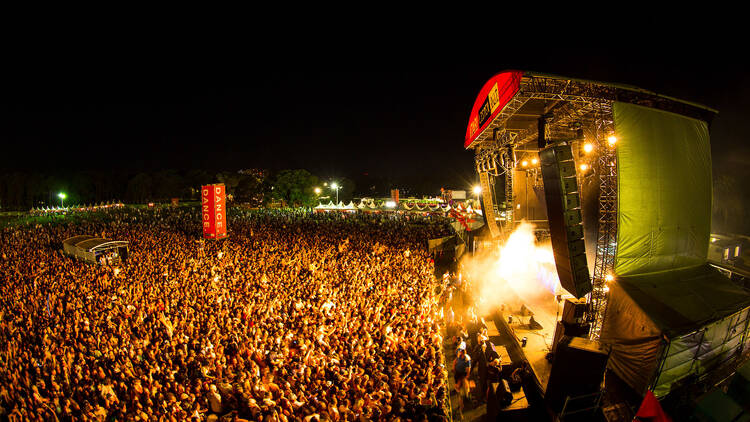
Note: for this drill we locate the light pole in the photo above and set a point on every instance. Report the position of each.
(477, 190)
(335, 185)
(62, 197)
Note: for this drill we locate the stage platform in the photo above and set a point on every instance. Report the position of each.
(538, 340)
(520, 407)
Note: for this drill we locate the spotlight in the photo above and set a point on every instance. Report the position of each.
(583, 167)
(612, 140)
(609, 277)
(534, 161)
(524, 163)
(588, 147)
(477, 190)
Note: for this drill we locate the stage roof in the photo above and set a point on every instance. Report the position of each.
(513, 101)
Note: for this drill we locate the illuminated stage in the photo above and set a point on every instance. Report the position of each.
(622, 177)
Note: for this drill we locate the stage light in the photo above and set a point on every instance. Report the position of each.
(608, 278)
(534, 161)
(588, 147)
(477, 190)
(612, 140)
(524, 163)
(584, 167)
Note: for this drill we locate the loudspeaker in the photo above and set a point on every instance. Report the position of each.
(570, 329)
(563, 200)
(578, 369)
(574, 310)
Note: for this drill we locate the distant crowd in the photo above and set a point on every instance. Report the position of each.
(294, 317)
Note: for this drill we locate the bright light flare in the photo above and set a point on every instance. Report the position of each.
(588, 147)
(608, 278)
(477, 190)
(524, 163)
(534, 161)
(62, 195)
(519, 268)
(584, 167)
(390, 204)
(334, 185)
(612, 140)
(317, 191)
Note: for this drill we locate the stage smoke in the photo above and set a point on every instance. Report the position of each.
(520, 271)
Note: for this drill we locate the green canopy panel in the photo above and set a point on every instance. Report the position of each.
(664, 190)
(668, 325)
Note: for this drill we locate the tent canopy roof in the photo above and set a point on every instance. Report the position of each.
(91, 243)
(679, 301)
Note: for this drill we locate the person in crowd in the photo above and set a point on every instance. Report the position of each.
(461, 371)
(295, 317)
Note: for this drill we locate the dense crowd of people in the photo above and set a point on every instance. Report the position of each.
(295, 316)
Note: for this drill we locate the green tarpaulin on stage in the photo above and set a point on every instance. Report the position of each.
(669, 314)
(664, 190)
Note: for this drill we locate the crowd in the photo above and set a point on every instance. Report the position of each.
(294, 317)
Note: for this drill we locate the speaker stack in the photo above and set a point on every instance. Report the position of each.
(561, 192)
(573, 322)
(577, 370)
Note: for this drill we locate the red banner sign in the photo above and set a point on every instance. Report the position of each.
(394, 195)
(493, 97)
(214, 214)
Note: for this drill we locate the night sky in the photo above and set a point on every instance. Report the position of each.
(398, 120)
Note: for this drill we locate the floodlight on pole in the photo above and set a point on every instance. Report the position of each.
(62, 197)
(317, 191)
(335, 185)
(477, 190)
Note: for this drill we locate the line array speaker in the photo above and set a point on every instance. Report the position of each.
(564, 213)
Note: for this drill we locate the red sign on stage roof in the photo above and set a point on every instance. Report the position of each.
(214, 211)
(495, 94)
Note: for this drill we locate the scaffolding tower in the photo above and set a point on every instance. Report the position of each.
(606, 240)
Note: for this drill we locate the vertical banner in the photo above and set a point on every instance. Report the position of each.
(220, 211)
(207, 200)
(394, 195)
(213, 211)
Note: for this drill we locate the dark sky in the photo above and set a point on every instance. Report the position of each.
(389, 118)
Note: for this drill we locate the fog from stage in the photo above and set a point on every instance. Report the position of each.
(519, 271)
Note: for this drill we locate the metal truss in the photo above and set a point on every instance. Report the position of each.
(490, 132)
(606, 240)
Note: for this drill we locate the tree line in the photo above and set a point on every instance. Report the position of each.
(256, 187)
